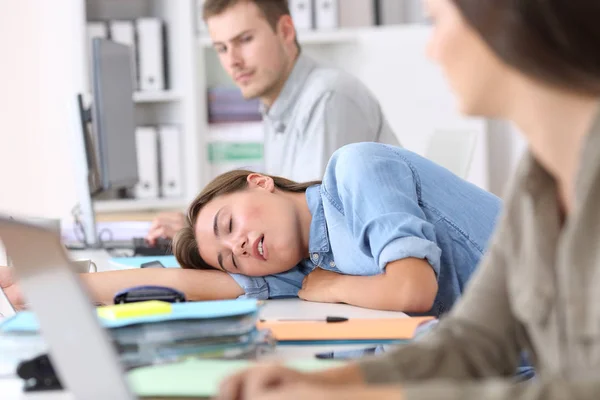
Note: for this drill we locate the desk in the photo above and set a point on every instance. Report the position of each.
(273, 309)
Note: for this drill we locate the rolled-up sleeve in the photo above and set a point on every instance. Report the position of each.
(286, 284)
(378, 193)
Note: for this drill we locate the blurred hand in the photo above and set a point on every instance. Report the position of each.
(319, 286)
(165, 225)
(274, 382)
(304, 391)
(254, 382)
(10, 287)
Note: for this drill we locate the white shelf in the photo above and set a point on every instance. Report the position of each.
(310, 37)
(156, 97)
(126, 205)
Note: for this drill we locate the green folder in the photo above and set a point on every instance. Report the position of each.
(200, 378)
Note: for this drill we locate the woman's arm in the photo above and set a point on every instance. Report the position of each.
(102, 286)
(195, 284)
(407, 285)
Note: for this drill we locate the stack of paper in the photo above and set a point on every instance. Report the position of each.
(153, 334)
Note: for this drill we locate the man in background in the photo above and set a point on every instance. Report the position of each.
(308, 110)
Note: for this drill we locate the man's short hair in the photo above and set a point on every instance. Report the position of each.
(272, 10)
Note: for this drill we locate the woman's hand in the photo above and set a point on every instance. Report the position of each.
(319, 286)
(304, 391)
(257, 381)
(271, 382)
(10, 287)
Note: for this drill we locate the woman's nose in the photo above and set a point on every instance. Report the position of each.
(240, 246)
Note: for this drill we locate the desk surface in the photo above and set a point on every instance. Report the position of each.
(273, 309)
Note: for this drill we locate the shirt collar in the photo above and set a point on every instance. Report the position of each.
(318, 240)
(280, 109)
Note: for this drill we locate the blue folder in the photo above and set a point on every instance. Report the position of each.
(26, 321)
(136, 262)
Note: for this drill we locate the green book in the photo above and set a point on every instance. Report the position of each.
(200, 378)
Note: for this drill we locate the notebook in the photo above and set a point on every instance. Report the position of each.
(200, 378)
(356, 330)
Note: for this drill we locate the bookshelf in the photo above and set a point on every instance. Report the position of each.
(177, 105)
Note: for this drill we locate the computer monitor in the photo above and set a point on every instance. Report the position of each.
(108, 130)
(113, 116)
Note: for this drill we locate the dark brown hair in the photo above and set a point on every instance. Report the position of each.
(185, 246)
(271, 9)
(554, 41)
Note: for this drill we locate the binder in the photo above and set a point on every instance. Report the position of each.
(357, 13)
(171, 168)
(391, 12)
(27, 322)
(302, 13)
(151, 44)
(124, 32)
(146, 141)
(326, 14)
(355, 330)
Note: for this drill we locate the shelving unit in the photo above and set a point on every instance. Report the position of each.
(156, 97)
(328, 37)
(178, 105)
(115, 206)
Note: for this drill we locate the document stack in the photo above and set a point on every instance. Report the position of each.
(156, 332)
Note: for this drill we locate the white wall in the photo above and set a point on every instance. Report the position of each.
(411, 89)
(41, 70)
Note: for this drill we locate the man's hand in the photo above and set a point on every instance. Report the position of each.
(165, 225)
(319, 286)
(11, 289)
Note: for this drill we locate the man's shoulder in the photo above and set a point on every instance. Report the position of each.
(326, 80)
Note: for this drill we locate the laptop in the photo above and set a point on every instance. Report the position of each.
(80, 349)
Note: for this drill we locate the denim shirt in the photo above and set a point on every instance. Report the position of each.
(378, 204)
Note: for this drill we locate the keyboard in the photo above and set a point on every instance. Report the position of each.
(162, 247)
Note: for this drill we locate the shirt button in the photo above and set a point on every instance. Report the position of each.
(332, 264)
(315, 256)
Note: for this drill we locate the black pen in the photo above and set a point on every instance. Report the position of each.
(328, 319)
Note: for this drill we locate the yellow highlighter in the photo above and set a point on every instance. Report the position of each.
(132, 310)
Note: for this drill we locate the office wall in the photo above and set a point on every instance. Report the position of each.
(411, 89)
(41, 43)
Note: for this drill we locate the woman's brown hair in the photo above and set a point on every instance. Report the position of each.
(553, 41)
(185, 246)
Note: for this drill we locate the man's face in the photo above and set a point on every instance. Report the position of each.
(251, 52)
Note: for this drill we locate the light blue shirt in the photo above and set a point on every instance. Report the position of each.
(380, 203)
(319, 110)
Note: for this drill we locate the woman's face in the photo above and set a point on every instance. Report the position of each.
(254, 232)
(479, 79)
